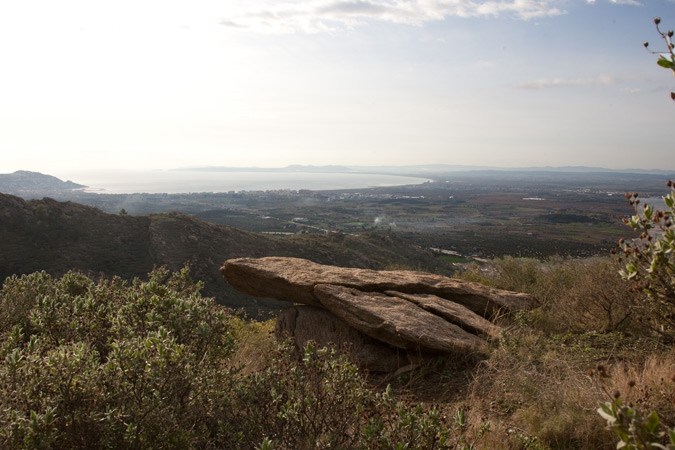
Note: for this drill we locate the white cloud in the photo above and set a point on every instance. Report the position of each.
(621, 2)
(602, 80)
(328, 15)
(626, 2)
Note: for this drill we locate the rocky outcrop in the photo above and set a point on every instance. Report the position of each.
(380, 315)
(294, 279)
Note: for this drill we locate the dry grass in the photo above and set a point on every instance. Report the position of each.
(539, 396)
(649, 384)
(576, 295)
(256, 344)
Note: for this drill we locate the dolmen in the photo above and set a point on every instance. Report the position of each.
(384, 319)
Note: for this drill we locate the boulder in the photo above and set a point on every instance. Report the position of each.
(294, 279)
(384, 319)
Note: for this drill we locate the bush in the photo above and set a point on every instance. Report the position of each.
(667, 58)
(650, 259)
(576, 295)
(538, 389)
(636, 430)
(321, 401)
(88, 365)
(599, 300)
(650, 387)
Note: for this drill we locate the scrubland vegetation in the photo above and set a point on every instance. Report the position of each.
(152, 364)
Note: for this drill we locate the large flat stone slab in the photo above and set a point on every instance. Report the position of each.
(294, 279)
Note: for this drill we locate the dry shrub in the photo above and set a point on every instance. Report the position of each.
(534, 389)
(546, 280)
(577, 295)
(599, 300)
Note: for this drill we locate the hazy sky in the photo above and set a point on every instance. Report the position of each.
(161, 84)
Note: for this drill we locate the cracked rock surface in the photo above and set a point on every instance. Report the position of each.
(415, 312)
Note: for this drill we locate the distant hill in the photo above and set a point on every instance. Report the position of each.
(429, 169)
(24, 182)
(59, 236)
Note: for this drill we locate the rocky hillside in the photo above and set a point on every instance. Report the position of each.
(59, 236)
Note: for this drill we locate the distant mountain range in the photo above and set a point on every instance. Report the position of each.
(58, 236)
(428, 169)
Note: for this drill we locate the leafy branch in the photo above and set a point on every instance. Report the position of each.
(667, 58)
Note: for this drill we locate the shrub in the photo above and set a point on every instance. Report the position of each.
(152, 364)
(599, 300)
(635, 390)
(538, 393)
(650, 259)
(649, 385)
(546, 280)
(88, 365)
(636, 430)
(576, 295)
(321, 401)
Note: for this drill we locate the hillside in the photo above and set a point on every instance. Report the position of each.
(59, 236)
(23, 182)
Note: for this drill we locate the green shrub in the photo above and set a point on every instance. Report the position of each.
(321, 401)
(89, 365)
(650, 259)
(667, 58)
(635, 429)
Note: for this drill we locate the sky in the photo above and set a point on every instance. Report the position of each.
(160, 84)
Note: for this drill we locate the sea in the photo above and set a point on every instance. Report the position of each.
(187, 181)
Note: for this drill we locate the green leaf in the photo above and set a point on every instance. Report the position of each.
(665, 63)
(606, 412)
(669, 200)
(648, 212)
(652, 423)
